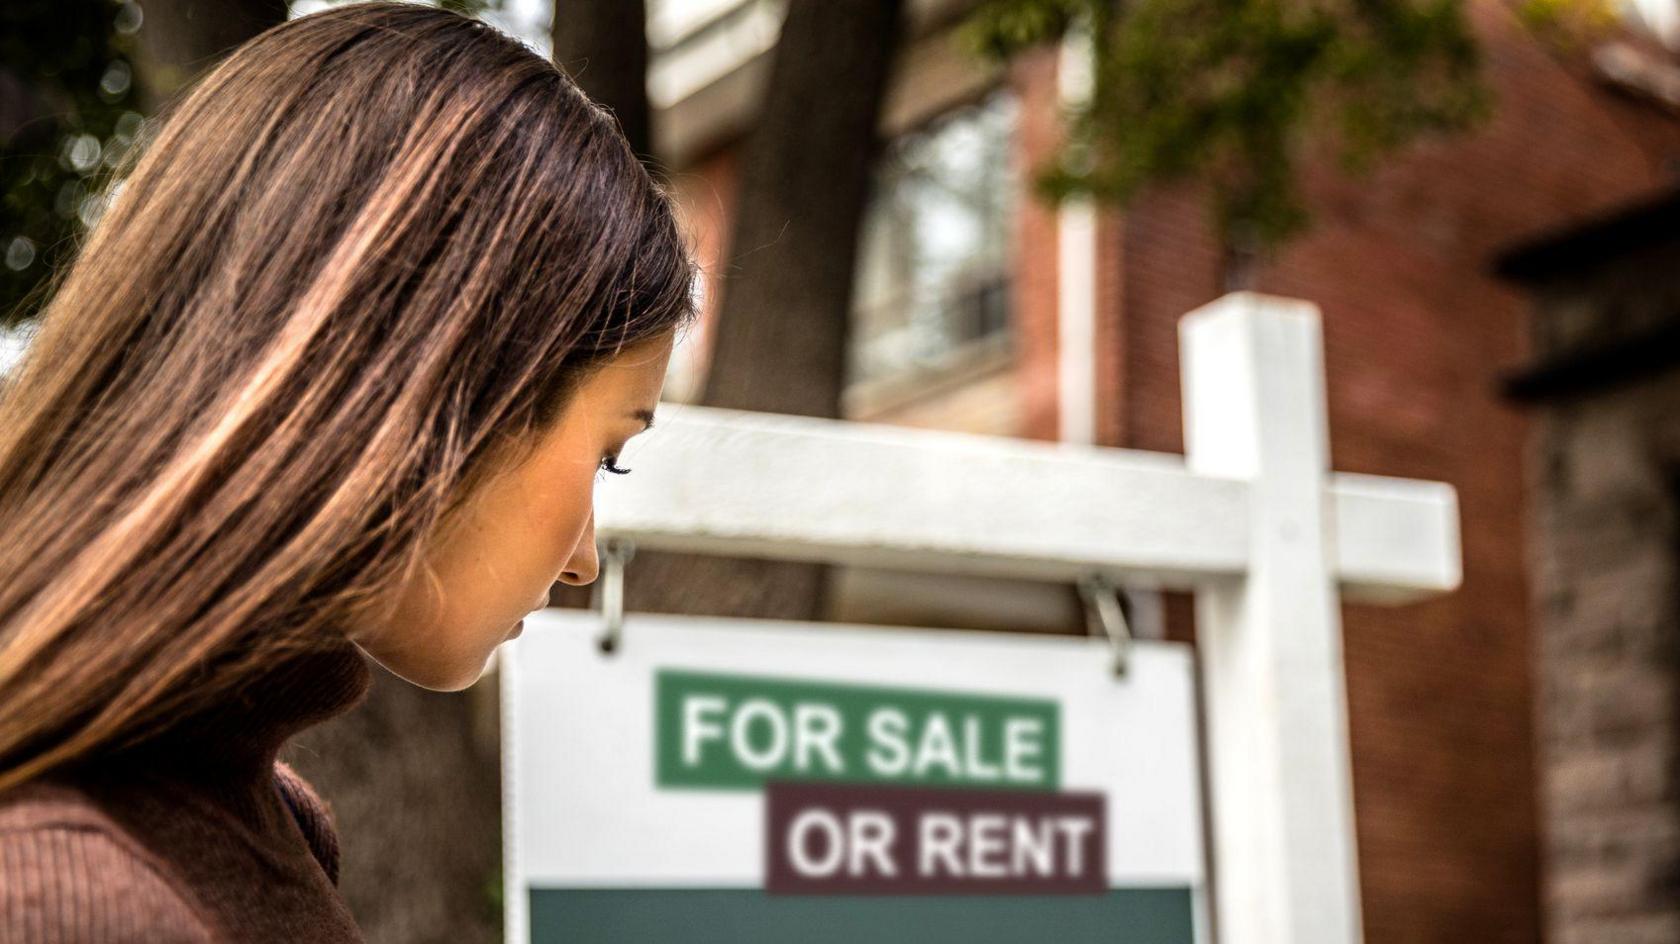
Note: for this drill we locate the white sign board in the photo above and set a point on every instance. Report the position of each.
(753, 781)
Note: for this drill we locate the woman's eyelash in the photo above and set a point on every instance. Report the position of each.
(610, 464)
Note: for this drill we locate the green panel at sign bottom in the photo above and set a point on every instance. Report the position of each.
(749, 916)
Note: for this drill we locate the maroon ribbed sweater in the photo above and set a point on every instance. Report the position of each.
(198, 835)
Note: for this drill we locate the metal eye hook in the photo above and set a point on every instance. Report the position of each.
(1105, 616)
(615, 553)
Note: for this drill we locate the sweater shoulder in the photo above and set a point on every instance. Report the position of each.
(69, 874)
(313, 815)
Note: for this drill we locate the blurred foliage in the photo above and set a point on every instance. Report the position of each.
(68, 112)
(1569, 24)
(66, 89)
(1236, 93)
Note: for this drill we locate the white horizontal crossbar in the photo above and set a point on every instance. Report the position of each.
(788, 487)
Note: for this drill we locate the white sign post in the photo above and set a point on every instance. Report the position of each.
(1251, 519)
(1270, 641)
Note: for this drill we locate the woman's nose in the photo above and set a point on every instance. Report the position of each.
(585, 564)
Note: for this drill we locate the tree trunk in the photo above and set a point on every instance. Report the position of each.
(780, 343)
(781, 339)
(602, 44)
(181, 39)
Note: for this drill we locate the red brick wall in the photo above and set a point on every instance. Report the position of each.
(1416, 335)
(1034, 299)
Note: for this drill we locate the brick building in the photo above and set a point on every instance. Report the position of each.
(1004, 316)
(1604, 389)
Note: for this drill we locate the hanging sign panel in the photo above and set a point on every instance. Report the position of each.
(755, 781)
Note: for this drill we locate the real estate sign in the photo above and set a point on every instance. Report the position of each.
(756, 781)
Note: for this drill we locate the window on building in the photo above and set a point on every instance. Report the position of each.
(935, 263)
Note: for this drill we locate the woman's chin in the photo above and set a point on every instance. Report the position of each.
(433, 674)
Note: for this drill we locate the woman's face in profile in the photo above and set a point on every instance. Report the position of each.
(525, 528)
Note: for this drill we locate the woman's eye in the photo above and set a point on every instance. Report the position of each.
(610, 464)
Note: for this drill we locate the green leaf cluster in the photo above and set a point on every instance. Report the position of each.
(1237, 94)
(1568, 25)
(68, 85)
(66, 73)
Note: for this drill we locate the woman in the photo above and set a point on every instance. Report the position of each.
(331, 380)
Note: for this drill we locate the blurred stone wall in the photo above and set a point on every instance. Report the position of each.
(1605, 476)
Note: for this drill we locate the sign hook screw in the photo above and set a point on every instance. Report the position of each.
(1105, 615)
(615, 553)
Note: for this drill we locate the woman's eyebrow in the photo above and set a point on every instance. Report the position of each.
(646, 416)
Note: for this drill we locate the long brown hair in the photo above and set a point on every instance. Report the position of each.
(365, 258)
